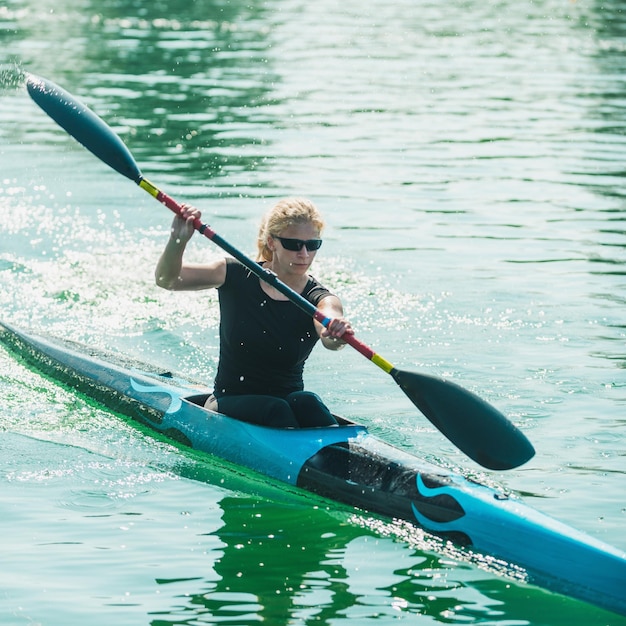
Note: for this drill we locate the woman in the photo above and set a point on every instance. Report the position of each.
(264, 338)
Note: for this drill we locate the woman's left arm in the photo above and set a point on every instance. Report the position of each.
(332, 335)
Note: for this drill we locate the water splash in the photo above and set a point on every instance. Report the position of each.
(12, 77)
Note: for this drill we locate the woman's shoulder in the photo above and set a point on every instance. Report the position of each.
(236, 272)
(233, 266)
(314, 291)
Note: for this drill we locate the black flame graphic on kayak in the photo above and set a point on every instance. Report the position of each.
(459, 512)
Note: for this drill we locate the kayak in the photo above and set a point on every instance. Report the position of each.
(344, 463)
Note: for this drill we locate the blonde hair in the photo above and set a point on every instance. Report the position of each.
(283, 214)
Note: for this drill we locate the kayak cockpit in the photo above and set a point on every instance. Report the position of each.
(200, 400)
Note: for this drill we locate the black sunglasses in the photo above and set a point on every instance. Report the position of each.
(295, 245)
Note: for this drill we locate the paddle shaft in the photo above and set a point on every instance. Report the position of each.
(265, 275)
(474, 426)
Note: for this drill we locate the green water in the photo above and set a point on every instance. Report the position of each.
(469, 160)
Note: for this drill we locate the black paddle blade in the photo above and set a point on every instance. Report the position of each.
(84, 125)
(470, 423)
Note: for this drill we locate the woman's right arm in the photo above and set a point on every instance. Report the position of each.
(172, 274)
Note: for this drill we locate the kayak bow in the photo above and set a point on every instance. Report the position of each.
(346, 464)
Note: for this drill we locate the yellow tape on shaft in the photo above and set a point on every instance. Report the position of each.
(382, 363)
(149, 187)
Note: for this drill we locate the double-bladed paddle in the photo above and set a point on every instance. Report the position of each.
(473, 425)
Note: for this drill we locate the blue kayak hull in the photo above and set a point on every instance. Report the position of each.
(347, 464)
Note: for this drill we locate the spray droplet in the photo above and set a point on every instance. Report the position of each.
(12, 77)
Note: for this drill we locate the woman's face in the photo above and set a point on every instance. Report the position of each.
(294, 261)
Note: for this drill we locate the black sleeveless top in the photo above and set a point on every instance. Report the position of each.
(264, 343)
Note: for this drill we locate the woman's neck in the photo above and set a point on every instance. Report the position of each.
(297, 282)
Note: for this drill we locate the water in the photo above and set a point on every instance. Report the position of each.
(469, 160)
